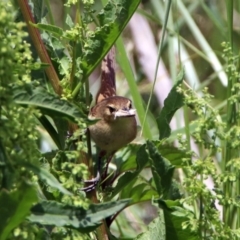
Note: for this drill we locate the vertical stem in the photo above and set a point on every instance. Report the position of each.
(102, 230)
(238, 155)
(231, 120)
(39, 45)
(187, 124)
(229, 6)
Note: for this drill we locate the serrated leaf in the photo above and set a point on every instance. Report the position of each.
(14, 207)
(47, 103)
(53, 213)
(113, 18)
(175, 216)
(162, 170)
(171, 153)
(57, 52)
(172, 103)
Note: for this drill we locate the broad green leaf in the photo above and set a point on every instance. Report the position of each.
(53, 213)
(47, 103)
(172, 154)
(113, 18)
(162, 170)
(155, 230)
(126, 159)
(138, 190)
(175, 216)
(47, 177)
(54, 30)
(128, 177)
(15, 207)
(129, 164)
(172, 103)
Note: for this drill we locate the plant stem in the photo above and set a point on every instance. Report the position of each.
(158, 61)
(101, 231)
(39, 45)
(187, 124)
(231, 118)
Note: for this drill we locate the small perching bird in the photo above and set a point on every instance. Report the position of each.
(117, 123)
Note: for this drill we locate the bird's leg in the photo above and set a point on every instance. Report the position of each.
(109, 159)
(95, 180)
(105, 182)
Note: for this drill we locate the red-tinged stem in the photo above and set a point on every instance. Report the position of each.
(39, 45)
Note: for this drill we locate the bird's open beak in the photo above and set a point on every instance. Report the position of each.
(125, 113)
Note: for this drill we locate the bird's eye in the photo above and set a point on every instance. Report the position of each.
(130, 106)
(111, 109)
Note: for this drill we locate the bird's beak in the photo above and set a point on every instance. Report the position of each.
(125, 113)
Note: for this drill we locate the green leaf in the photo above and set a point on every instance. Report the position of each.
(47, 103)
(39, 10)
(51, 131)
(113, 18)
(157, 181)
(138, 190)
(155, 230)
(15, 207)
(172, 154)
(57, 214)
(61, 125)
(162, 170)
(46, 176)
(129, 177)
(69, 21)
(126, 159)
(175, 216)
(56, 50)
(172, 103)
(54, 30)
(3, 156)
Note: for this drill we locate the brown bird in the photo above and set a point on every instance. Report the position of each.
(117, 123)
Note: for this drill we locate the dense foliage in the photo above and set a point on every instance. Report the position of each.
(175, 181)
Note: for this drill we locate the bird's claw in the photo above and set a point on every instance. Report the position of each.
(94, 182)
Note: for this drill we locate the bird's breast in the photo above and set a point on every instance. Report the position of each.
(111, 136)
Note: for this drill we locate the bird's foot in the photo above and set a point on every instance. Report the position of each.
(92, 186)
